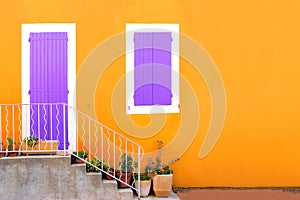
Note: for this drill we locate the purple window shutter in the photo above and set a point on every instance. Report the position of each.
(152, 68)
(48, 84)
(143, 59)
(162, 68)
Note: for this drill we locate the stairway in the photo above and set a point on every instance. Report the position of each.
(42, 128)
(53, 177)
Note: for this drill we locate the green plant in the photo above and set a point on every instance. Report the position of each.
(158, 167)
(31, 140)
(12, 146)
(143, 176)
(80, 154)
(10, 141)
(105, 167)
(96, 162)
(110, 169)
(127, 164)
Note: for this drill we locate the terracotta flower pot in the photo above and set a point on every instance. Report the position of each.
(79, 161)
(162, 185)
(3, 148)
(13, 147)
(122, 176)
(109, 177)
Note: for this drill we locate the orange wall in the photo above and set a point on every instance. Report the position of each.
(255, 46)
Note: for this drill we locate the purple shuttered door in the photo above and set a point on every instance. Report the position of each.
(152, 68)
(48, 84)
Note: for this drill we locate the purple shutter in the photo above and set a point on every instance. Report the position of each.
(48, 84)
(152, 68)
(162, 68)
(143, 69)
(38, 85)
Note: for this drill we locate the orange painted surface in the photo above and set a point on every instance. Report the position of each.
(255, 46)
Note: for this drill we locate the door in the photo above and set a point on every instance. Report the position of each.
(49, 84)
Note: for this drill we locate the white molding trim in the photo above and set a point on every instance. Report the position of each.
(175, 106)
(70, 28)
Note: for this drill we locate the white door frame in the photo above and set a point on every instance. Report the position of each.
(70, 28)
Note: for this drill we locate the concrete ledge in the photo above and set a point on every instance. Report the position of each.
(152, 197)
(51, 177)
(125, 194)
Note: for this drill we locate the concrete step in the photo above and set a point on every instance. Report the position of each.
(53, 177)
(125, 194)
(109, 186)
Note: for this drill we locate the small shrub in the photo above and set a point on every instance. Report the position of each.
(95, 161)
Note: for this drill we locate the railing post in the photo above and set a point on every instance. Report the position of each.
(89, 139)
(39, 125)
(6, 128)
(126, 147)
(51, 122)
(1, 124)
(19, 126)
(114, 153)
(64, 124)
(13, 126)
(24, 120)
(44, 111)
(139, 172)
(102, 148)
(77, 135)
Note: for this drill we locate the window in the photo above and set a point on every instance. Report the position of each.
(152, 68)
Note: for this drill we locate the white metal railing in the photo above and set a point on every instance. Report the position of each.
(42, 128)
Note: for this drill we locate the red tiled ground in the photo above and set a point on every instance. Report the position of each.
(239, 194)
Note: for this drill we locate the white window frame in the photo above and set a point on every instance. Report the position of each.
(152, 109)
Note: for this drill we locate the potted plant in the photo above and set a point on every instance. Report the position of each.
(31, 141)
(110, 170)
(78, 157)
(3, 149)
(12, 147)
(127, 166)
(95, 162)
(162, 175)
(145, 183)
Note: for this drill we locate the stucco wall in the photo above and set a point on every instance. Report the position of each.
(254, 45)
